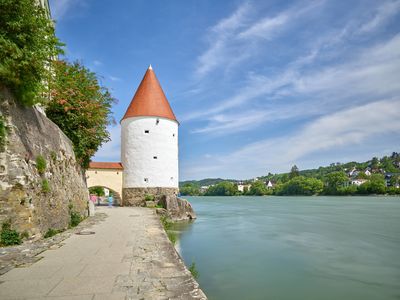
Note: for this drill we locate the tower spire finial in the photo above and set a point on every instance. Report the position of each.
(150, 67)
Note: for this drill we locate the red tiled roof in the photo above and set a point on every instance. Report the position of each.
(105, 165)
(149, 99)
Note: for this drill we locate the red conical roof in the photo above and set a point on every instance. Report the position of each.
(149, 99)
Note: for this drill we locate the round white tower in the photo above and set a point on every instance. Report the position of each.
(149, 144)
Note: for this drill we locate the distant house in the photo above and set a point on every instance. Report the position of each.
(353, 172)
(204, 188)
(358, 182)
(367, 172)
(388, 179)
(270, 184)
(242, 187)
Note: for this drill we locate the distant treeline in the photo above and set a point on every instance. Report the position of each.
(378, 176)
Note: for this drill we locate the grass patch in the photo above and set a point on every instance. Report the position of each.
(52, 232)
(173, 237)
(167, 224)
(3, 134)
(53, 156)
(45, 186)
(193, 270)
(149, 197)
(41, 164)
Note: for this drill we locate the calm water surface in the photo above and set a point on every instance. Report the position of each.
(295, 247)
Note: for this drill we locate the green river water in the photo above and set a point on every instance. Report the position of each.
(294, 247)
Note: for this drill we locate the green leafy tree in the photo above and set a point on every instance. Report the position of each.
(375, 163)
(334, 181)
(362, 175)
(294, 172)
(27, 45)
(81, 107)
(224, 188)
(301, 185)
(190, 189)
(258, 188)
(388, 165)
(376, 185)
(96, 190)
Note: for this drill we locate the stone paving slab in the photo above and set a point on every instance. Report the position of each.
(128, 257)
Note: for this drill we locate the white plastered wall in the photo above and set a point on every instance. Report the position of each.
(139, 148)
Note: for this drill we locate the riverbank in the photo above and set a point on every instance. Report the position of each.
(128, 257)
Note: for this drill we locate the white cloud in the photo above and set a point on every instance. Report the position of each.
(234, 39)
(219, 39)
(114, 78)
(367, 76)
(61, 8)
(97, 63)
(266, 27)
(341, 130)
(383, 14)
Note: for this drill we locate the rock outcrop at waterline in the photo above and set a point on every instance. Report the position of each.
(173, 207)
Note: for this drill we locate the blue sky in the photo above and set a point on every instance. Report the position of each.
(256, 85)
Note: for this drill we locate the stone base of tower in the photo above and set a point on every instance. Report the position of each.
(135, 196)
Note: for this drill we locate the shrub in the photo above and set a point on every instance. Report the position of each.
(193, 270)
(52, 232)
(149, 197)
(27, 44)
(9, 236)
(81, 107)
(75, 218)
(45, 186)
(3, 133)
(41, 164)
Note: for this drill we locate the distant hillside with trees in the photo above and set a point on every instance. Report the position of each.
(375, 176)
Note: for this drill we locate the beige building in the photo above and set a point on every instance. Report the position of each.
(107, 175)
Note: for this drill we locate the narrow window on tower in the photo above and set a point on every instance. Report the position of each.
(172, 178)
(146, 180)
(146, 131)
(157, 121)
(154, 157)
(173, 134)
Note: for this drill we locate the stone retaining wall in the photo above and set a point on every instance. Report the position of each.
(136, 196)
(23, 195)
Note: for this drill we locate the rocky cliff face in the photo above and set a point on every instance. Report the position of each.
(34, 199)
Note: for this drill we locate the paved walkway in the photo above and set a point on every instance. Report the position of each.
(128, 257)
